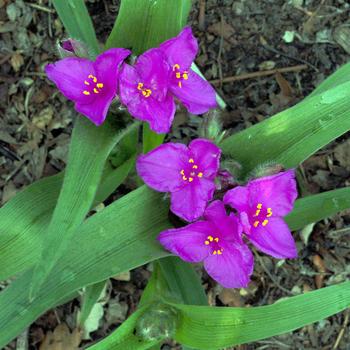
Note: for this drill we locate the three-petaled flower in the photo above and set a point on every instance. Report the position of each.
(262, 204)
(143, 88)
(92, 85)
(188, 173)
(194, 92)
(217, 241)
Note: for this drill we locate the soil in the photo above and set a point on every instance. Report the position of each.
(310, 38)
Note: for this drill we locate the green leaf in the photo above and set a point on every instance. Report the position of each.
(77, 22)
(124, 339)
(89, 149)
(340, 76)
(207, 328)
(119, 238)
(182, 281)
(31, 210)
(317, 207)
(150, 139)
(142, 24)
(90, 297)
(295, 134)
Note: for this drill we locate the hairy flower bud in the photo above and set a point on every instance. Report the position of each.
(266, 169)
(211, 127)
(157, 323)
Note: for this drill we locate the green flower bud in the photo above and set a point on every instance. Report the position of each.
(157, 323)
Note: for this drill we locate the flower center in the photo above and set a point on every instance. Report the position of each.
(145, 92)
(261, 215)
(191, 172)
(180, 75)
(92, 85)
(213, 242)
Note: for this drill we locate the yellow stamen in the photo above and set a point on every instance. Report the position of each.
(214, 252)
(184, 178)
(178, 75)
(195, 167)
(269, 212)
(86, 92)
(190, 179)
(200, 174)
(86, 82)
(182, 172)
(185, 75)
(257, 212)
(91, 76)
(210, 238)
(216, 239)
(259, 206)
(219, 252)
(139, 86)
(180, 84)
(100, 85)
(256, 224)
(206, 242)
(191, 160)
(176, 66)
(265, 222)
(96, 91)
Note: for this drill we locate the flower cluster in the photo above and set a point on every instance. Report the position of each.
(218, 238)
(148, 88)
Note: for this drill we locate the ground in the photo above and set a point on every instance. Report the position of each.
(309, 38)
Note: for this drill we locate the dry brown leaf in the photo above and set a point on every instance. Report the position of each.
(16, 61)
(222, 29)
(321, 268)
(61, 339)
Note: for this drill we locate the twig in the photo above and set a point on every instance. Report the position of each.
(41, 8)
(270, 275)
(201, 15)
(341, 333)
(5, 58)
(259, 74)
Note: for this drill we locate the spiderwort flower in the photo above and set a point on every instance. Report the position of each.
(92, 85)
(143, 88)
(194, 92)
(262, 205)
(217, 241)
(188, 173)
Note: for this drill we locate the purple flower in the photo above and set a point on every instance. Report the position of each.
(262, 205)
(92, 85)
(194, 92)
(187, 172)
(143, 88)
(217, 241)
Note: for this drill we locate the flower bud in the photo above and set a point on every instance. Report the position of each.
(266, 169)
(211, 127)
(72, 48)
(157, 323)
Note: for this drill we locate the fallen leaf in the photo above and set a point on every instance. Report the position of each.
(61, 339)
(321, 268)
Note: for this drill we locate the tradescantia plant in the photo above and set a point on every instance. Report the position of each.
(53, 250)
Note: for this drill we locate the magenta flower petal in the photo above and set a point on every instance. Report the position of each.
(262, 204)
(228, 262)
(91, 85)
(207, 156)
(237, 198)
(69, 75)
(274, 239)
(277, 191)
(143, 89)
(190, 201)
(227, 225)
(188, 242)
(181, 50)
(232, 269)
(154, 70)
(195, 93)
(160, 168)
